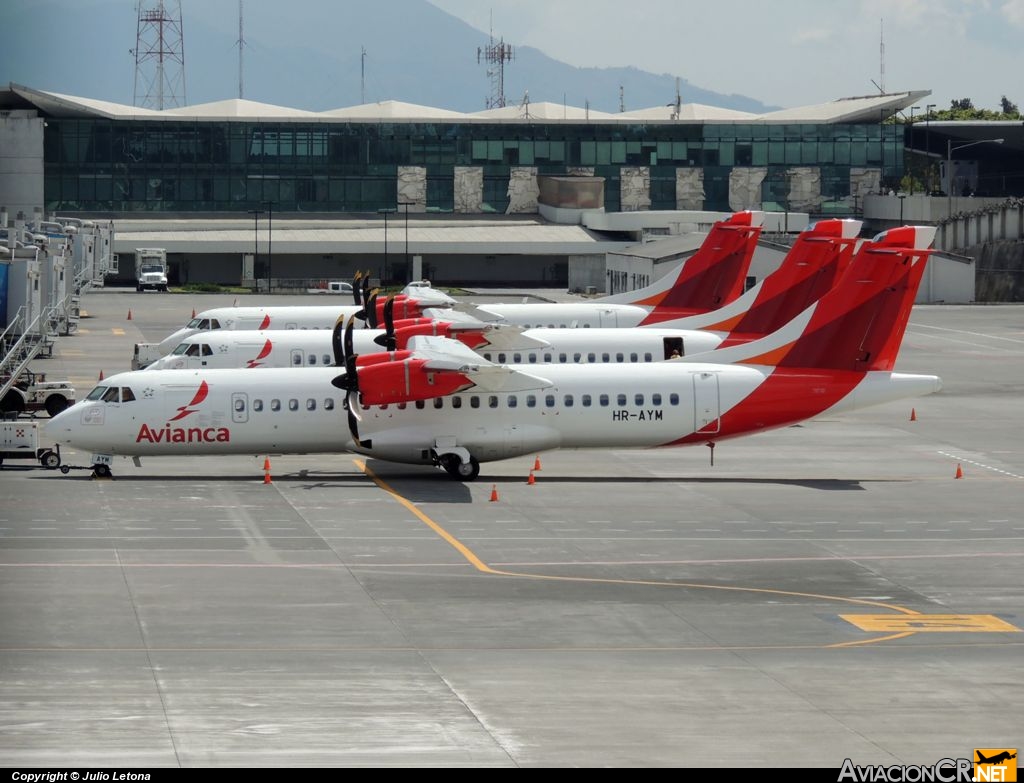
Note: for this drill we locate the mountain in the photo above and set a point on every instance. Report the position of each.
(307, 54)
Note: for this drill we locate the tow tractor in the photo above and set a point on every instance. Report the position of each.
(19, 439)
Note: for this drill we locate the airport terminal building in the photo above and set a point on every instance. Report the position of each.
(545, 188)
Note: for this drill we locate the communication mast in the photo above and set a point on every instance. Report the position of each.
(241, 45)
(495, 55)
(159, 56)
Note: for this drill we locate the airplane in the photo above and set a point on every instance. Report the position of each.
(817, 257)
(999, 757)
(712, 275)
(289, 317)
(440, 404)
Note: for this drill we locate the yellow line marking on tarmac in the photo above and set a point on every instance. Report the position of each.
(932, 623)
(117, 330)
(908, 615)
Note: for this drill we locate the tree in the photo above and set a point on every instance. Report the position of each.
(1009, 107)
(963, 104)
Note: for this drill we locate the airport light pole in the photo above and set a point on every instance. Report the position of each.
(406, 204)
(256, 240)
(950, 149)
(270, 243)
(912, 108)
(385, 211)
(901, 197)
(928, 143)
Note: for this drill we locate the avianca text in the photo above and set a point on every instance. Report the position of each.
(168, 434)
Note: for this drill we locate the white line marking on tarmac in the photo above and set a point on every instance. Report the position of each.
(964, 331)
(980, 465)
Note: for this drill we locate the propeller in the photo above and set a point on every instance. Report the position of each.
(344, 354)
(370, 310)
(390, 344)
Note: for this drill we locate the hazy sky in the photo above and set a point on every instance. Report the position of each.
(788, 52)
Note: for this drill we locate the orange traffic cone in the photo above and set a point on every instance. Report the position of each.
(536, 463)
(913, 415)
(129, 316)
(266, 478)
(266, 465)
(193, 312)
(531, 480)
(494, 493)
(101, 376)
(959, 471)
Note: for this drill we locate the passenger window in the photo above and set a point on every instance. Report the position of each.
(591, 357)
(517, 358)
(239, 405)
(639, 399)
(127, 395)
(325, 360)
(673, 399)
(603, 400)
(293, 404)
(501, 358)
(328, 404)
(421, 404)
(648, 357)
(633, 357)
(456, 402)
(656, 399)
(533, 358)
(312, 358)
(297, 359)
(275, 405)
(513, 401)
(402, 406)
(562, 358)
(548, 358)
(585, 399)
(257, 405)
(531, 401)
(568, 400)
(621, 400)
(492, 401)
(474, 402)
(487, 356)
(619, 357)
(439, 402)
(576, 357)
(111, 395)
(549, 400)
(310, 404)
(606, 357)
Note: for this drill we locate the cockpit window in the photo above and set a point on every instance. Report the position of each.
(182, 347)
(214, 323)
(207, 350)
(194, 323)
(204, 323)
(96, 393)
(193, 349)
(112, 395)
(127, 395)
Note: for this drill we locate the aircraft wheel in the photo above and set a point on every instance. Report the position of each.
(55, 403)
(459, 470)
(101, 471)
(65, 469)
(49, 460)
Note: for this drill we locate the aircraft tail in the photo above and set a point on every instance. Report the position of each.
(708, 279)
(859, 324)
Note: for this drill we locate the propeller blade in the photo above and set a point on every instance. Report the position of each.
(371, 311)
(389, 324)
(357, 292)
(348, 349)
(336, 345)
(353, 419)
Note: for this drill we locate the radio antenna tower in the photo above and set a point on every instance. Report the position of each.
(241, 45)
(495, 55)
(159, 56)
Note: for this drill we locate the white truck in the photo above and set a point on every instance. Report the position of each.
(150, 268)
(145, 354)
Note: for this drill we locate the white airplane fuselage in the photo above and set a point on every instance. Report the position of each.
(312, 348)
(211, 412)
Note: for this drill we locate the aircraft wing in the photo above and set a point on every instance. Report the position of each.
(503, 337)
(444, 355)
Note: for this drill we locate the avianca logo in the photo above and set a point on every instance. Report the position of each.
(265, 324)
(169, 434)
(264, 353)
(185, 410)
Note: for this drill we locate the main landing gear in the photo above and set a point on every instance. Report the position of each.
(459, 470)
(101, 471)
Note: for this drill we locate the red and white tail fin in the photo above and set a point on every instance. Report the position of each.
(818, 257)
(708, 279)
(859, 324)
